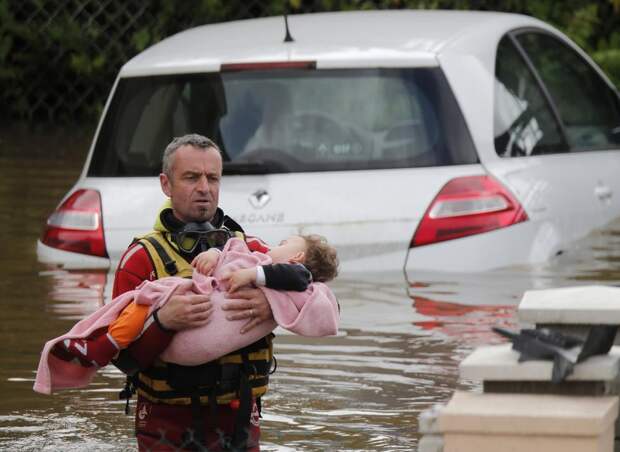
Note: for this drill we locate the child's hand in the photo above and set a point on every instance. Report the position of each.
(205, 262)
(239, 278)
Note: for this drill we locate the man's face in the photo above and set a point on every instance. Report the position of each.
(194, 184)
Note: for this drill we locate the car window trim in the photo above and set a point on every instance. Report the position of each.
(512, 35)
(523, 30)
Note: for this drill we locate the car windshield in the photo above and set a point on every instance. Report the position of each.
(280, 121)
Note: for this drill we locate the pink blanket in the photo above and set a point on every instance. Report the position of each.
(310, 313)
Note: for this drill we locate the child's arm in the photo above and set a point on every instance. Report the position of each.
(205, 262)
(97, 350)
(294, 277)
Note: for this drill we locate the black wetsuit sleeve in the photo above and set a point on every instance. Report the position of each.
(287, 277)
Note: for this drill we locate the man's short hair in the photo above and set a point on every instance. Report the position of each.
(321, 258)
(191, 139)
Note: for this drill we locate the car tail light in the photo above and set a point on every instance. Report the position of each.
(76, 225)
(467, 206)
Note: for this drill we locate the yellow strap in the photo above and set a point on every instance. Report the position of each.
(239, 235)
(264, 354)
(204, 400)
(162, 386)
(184, 268)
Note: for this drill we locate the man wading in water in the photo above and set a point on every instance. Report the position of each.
(192, 407)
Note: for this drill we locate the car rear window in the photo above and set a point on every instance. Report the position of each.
(287, 120)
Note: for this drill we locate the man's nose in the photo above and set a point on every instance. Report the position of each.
(203, 184)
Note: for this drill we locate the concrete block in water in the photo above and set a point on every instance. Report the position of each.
(475, 422)
(501, 363)
(583, 305)
(428, 426)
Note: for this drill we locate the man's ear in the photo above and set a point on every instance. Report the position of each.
(165, 184)
(298, 258)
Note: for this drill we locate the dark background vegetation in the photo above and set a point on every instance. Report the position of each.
(59, 58)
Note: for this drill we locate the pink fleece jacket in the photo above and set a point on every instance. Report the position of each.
(311, 313)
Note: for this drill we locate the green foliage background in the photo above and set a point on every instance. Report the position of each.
(60, 68)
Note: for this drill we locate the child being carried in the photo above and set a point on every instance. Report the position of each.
(291, 275)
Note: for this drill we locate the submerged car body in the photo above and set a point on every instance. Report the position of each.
(435, 140)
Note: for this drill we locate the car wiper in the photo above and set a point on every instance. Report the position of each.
(254, 167)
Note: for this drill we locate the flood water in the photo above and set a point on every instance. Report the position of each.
(397, 353)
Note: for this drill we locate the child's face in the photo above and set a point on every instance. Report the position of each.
(292, 249)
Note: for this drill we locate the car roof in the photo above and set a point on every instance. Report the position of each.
(341, 39)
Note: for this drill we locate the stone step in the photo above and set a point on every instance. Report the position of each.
(474, 422)
(583, 305)
(501, 363)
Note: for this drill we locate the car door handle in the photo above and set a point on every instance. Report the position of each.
(603, 192)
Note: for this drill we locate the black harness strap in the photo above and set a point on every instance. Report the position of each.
(128, 391)
(213, 416)
(242, 422)
(198, 420)
(169, 264)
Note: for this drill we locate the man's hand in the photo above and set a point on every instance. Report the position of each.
(182, 312)
(249, 304)
(205, 262)
(239, 278)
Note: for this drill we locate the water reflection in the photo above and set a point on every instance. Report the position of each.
(464, 307)
(397, 354)
(76, 294)
(468, 323)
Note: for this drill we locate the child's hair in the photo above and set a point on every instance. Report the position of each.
(321, 258)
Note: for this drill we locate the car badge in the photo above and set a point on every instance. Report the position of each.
(259, 198)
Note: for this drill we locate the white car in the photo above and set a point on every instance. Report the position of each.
(435, 140)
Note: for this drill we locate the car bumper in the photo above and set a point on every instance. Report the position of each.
(68, 260)
(520, 244)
